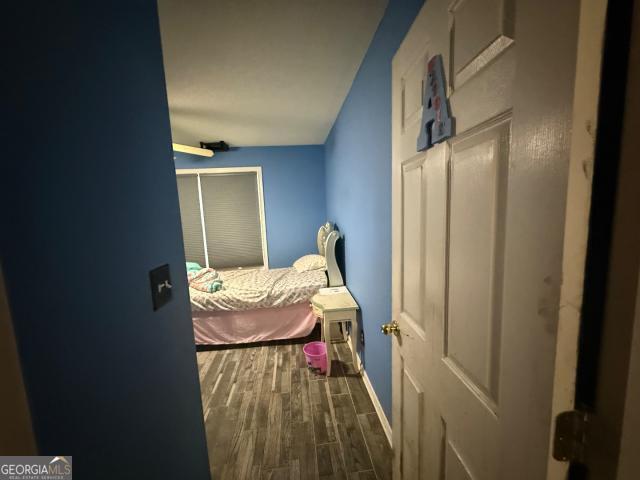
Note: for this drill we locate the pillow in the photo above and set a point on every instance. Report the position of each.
(310, 262)
(193, 266)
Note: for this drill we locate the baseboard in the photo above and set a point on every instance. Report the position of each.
(386, 426)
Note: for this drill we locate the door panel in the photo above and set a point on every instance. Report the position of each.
(481, 30)
(413, 92)
(488, 95)
(411, 99)
(455, 469)
(477, 205)
(412, 247)
(466, 272)
(411, 425)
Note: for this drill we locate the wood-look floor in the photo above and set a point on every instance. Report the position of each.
(268, 417)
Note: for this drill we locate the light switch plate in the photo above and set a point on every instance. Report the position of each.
(160, 286)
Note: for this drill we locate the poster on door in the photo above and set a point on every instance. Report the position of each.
(437, 123)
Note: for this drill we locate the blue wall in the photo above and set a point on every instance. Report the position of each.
(358, 165)
(89, 206)
(294, 194)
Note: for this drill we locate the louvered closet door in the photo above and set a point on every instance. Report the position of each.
(232, 219)
(191, 221)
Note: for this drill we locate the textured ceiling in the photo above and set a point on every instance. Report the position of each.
(262, 72)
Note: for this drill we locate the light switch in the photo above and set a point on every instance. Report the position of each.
(160, 286)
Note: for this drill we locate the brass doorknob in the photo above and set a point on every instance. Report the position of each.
(389, 328)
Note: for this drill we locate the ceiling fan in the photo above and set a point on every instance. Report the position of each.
(206, 149)
(203, 152)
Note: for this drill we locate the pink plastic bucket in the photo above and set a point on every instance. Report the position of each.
(316, 354)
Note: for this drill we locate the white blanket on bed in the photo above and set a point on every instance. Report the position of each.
(251, 289)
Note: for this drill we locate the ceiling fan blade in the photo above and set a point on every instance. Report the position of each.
(203, 152)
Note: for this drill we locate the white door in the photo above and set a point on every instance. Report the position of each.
(478, 237)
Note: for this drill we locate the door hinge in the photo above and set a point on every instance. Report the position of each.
(570, 436)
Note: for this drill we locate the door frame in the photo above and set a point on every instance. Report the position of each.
(16, 436)
(591, 29)
(613, 258)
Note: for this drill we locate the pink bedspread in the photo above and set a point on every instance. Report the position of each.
(229, 327)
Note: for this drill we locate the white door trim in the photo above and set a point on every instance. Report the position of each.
(576, 228)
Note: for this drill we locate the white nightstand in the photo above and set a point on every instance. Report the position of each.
(337, 308)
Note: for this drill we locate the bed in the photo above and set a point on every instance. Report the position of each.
(256, 305)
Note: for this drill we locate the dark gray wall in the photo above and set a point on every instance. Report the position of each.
(89, 206)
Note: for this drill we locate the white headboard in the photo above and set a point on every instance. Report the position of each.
(323, 233)
(327, 238)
